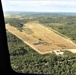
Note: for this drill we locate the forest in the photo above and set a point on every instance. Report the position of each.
(24, 59)
(64, 24)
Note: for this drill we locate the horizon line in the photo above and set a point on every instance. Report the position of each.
(42, 11)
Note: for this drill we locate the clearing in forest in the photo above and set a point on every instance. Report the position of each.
(40, 38)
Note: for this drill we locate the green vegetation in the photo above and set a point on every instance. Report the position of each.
(65, 25)
(67, 30)
(26, 60)
(28, 30)
(16, 22)
(41, 42)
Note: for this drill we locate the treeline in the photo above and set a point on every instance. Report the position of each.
(26, 60)
(66, 25)
(18, 23)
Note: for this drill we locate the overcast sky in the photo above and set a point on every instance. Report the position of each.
(39, 5)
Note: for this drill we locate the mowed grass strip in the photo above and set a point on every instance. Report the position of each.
(41, 39)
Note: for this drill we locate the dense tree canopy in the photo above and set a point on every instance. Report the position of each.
(26, 60)
(64, 24)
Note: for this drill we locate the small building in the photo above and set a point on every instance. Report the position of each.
(58, 52)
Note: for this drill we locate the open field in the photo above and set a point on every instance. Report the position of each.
(42, 39)
(11, 16)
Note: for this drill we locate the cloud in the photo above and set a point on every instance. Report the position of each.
(39, 5)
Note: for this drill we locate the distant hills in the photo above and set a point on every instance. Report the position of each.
(48, 13)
